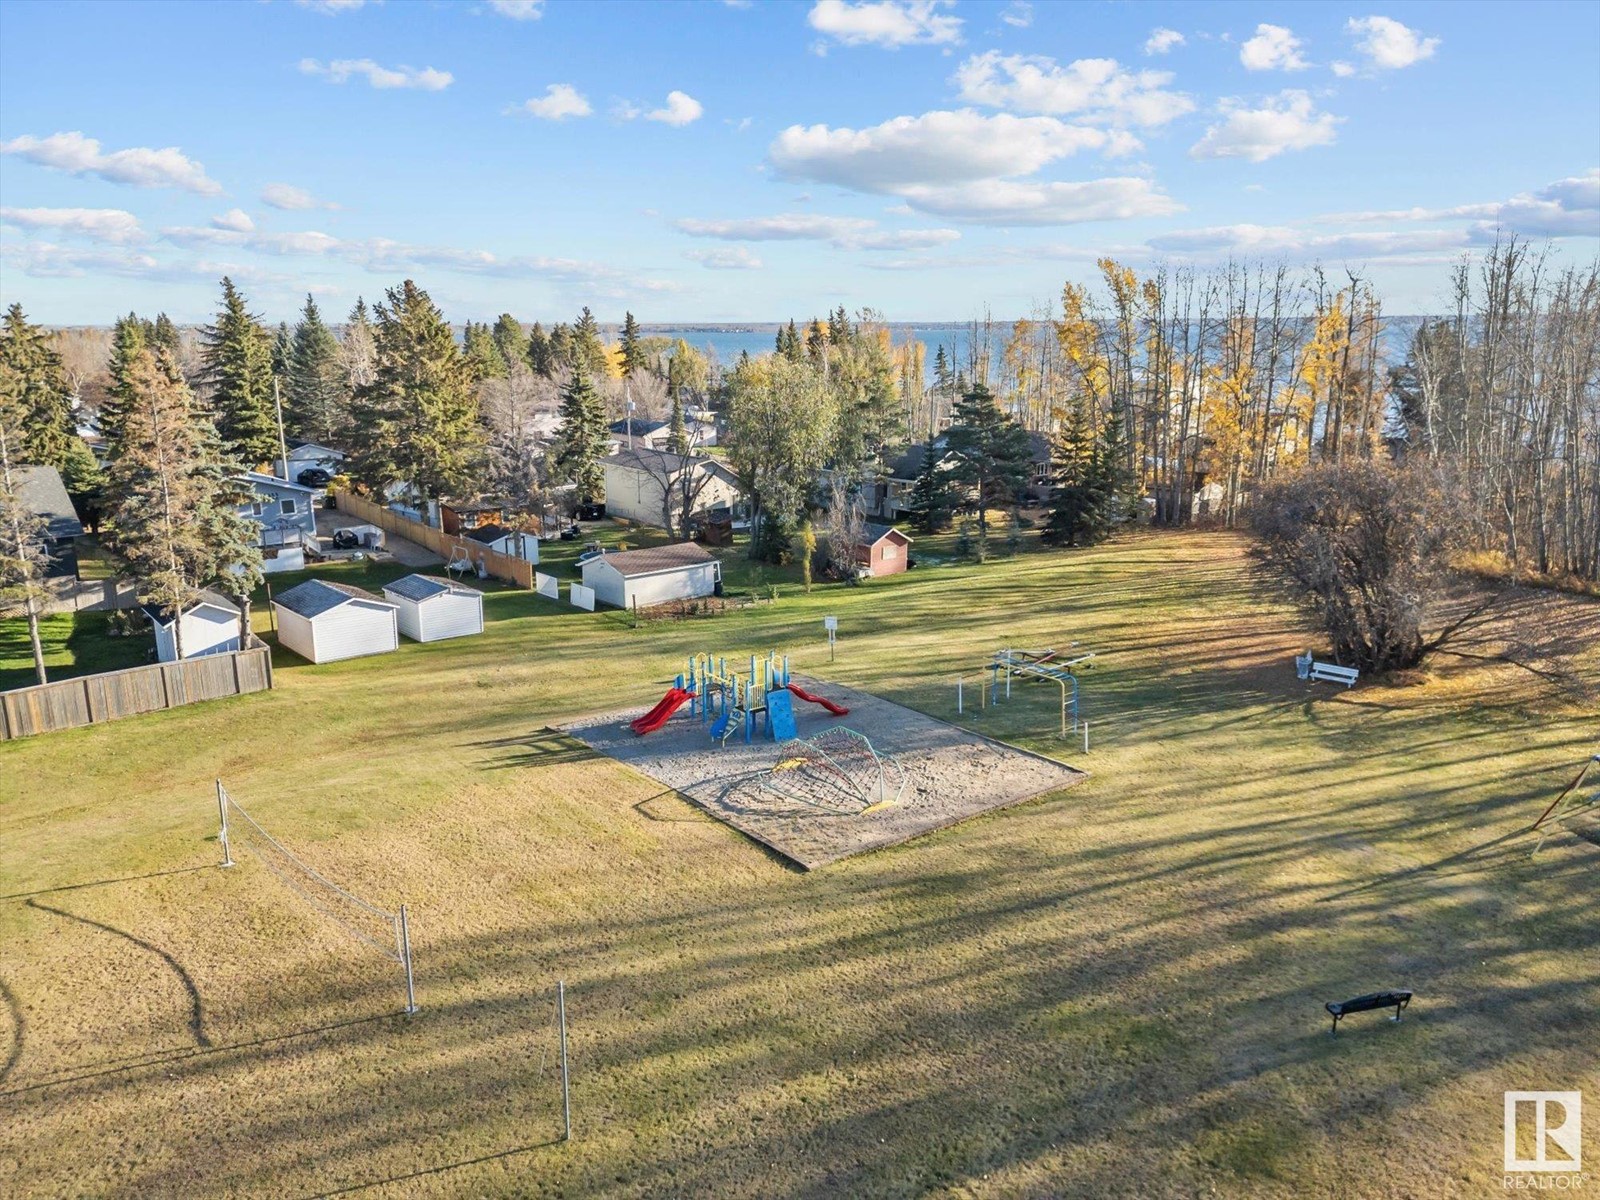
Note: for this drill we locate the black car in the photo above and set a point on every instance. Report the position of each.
(315, 477)
(591, 512)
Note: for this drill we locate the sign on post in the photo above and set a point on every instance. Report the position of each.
(831, 624)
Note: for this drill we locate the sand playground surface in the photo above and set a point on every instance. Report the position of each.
(809, 811)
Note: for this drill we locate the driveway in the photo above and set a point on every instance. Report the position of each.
(406, 552)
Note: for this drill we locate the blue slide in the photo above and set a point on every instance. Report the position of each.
(719, 727)
(780, 716)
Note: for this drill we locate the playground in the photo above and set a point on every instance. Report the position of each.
(837, 785)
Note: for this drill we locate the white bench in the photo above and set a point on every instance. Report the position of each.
(1308, 668)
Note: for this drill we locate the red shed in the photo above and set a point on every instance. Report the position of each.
(882, 550)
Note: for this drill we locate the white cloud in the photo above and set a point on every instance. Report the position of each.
(1566, 208)
(888, 23)
(46, 260)
(844, 233)
(1288, 242)
(1288, 121)
(1018, 14)
(560, 101)
(518, 10)
(1389, 45)
(735, 258)
(97, 224)
(1274, 48)
(934, 148)
(331, 8)
(1094, 89)
(1342, 69)
(235, 219)
(1021, 202)
(138, 166)
(680, 109)
(1162, 39)
(294, 199)
(341, 70)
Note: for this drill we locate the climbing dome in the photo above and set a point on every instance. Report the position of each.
(838, 771)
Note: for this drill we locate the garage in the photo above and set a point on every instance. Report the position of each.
(431, 609)
(659, 575)
(326, 622)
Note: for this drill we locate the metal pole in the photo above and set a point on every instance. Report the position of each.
(405, 951)
(959, 709)
(566, 1091)
(1086, 737)
(222, 808)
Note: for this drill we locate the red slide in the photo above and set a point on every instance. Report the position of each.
(836, 709)
(657, 716)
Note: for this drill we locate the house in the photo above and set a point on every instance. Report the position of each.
(638, 434)
(431, 609)
(210, 625)
(462, 516)
(324, 622)
(513, 543)
(890, 495)
(305, 455)
(637, 480)
(882, 550)
(640, 578)
(41, 492)
(284, 511)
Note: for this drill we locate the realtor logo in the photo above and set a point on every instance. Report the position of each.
(1549, 1124)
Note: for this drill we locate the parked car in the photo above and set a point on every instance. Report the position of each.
(315, 477)
(591, 512)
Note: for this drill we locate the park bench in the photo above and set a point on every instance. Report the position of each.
(1308, 668)
(1396, 999)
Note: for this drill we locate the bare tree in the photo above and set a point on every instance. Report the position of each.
(845, 528)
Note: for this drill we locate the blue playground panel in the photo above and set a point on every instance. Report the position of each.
(780, 716)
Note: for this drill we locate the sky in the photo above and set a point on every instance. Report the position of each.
(754, 160)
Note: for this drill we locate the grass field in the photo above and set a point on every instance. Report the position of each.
(75, 643)
(1114, 991)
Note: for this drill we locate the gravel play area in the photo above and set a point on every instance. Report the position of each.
(803, 810)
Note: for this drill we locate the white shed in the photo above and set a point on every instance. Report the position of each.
(432, 609)
(209, 626)
(513, 543)
(654, 576)
(325, 622)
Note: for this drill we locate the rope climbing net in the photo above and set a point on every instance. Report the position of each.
(838, 771)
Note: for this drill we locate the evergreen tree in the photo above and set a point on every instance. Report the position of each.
(991, 454)
(561, 347)
(164, 336)
(282, 352)
(1074, 511)
(237, 358)
(840, 330)
(39, 389)
(127, 343)
(24, 545)
(816, 343)
(483, 353)
(790, 344)
(1116, 488)
(358, 351)
(634, 358)
(314, 400)
(583, 434)
(588, 345)
(539, 354)
(933, 496)
(417, 421)
(678, 438)
(85, 482)
(509, 340)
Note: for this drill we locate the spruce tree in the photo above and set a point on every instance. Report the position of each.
(634, 359)
(678, 438)
(991, 453)
(561, 347)
(358, 351)
(509, 340)
(127, 343)
(282, 352)
(314, 399)
(39, 389)
(418, 418)
(933, 496)
(24, 546)
(164, 336)
(1074, 517)
(538, 353)
(588, 345)
(582, 434)
(1116, 489)
(237, 359)
(482, 353)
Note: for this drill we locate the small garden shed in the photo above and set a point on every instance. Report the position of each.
(883, 550)
(325, 622)
(431, 609)
(210, 625)
(654, 576)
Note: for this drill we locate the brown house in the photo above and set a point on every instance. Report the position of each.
(882, 550)
(459, 516)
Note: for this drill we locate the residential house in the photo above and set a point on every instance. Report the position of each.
(41, 492)
(284, 511)
(658, 575)
(305, 455)
(637, 483)
(638, 434)
(461, 516)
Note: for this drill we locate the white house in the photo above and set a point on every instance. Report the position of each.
(654, 576)
(513, 543)
(636, 483)
(209, 626)
(431, 609)
(325, 622)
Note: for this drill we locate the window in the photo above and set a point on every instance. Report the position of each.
(258, 509)
(288, 507)
(890, 550)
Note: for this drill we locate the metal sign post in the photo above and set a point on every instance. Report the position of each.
(831, 624)
(566, 1093)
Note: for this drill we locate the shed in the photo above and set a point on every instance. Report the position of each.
(209, 626)
(882, 550)
(654, 576)
(431, 609)
(325, 622)
(513, 543)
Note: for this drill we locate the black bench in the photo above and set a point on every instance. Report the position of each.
(1397, 999)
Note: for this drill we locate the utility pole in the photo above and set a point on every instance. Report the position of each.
(283, 446)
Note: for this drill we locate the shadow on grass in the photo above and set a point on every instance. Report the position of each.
(74, 887)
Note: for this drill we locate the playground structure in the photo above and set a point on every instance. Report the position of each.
(1567, 804)
(729, 702)
(1048, 665)
(838, 771)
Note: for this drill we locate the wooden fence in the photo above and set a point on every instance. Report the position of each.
(501, 566)
(91, 699)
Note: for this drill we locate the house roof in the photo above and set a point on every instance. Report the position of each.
(317, 596)
(262, 479)
(663, 462)
(163, 616)
(425, 587)
(641, 428)
(295, 449)
(488, 533)
(42, 493)
(872, 534)
(655, 559)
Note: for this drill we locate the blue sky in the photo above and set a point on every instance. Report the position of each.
(751, 161)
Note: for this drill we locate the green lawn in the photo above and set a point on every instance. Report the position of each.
(1113, 991)
(74, 644)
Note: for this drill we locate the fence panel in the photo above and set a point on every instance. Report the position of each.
(91, 699)
(502, 566)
